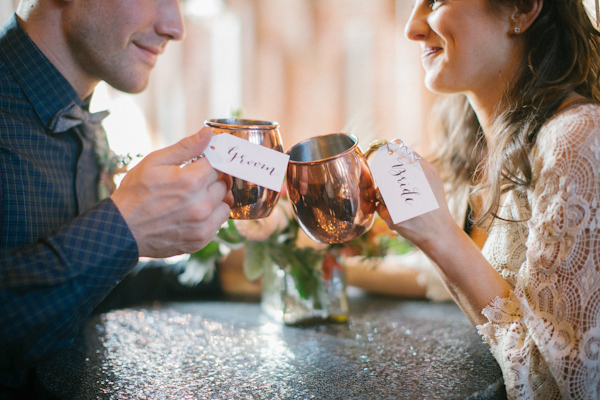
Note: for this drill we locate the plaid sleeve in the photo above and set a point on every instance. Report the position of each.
(48, 289)
(1, 201)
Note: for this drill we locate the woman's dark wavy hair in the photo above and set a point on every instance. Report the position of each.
(458, 144)
(562, 56)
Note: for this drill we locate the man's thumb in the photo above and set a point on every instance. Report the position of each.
(186, 149)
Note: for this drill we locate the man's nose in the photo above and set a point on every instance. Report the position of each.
(170, 20)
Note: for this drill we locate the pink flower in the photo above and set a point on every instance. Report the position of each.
(257, 230)
(303, 240)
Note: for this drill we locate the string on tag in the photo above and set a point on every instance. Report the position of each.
(392, 146)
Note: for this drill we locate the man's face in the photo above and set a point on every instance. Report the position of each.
(119, 41)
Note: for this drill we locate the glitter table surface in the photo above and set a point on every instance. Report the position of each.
(389, 349)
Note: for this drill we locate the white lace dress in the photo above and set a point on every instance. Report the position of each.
(546, 335)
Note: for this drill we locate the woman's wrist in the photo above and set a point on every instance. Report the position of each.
(466, 273)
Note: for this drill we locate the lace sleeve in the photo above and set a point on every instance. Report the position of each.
(546, 335)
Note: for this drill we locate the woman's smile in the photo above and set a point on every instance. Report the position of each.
(430, 51)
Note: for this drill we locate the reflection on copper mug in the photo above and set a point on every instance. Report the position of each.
(250, 201)
(331, 188)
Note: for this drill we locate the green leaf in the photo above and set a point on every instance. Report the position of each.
(400, 246)
(256, 260)
(306, 283)
(210, 251)
(230, 234)
(237, 112)
(305, 268)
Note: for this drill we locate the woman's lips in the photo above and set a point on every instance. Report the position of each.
(430, 51)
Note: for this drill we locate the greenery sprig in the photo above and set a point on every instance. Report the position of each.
(279, 239)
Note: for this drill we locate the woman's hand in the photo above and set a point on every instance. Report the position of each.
(430, 228)
(470, 279)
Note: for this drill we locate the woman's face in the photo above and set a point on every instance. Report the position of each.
(467, 47)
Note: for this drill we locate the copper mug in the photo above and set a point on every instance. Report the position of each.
(330, 188)
(250, 201)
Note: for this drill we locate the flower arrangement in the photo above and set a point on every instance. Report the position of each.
(279, 239)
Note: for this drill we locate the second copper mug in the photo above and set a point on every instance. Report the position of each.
(331, 188)
(250, 201)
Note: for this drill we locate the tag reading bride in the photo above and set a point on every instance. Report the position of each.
(247, 161)
(402, 183)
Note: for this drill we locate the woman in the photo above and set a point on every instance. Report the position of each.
(530, 71)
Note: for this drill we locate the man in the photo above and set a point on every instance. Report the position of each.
(61, 248)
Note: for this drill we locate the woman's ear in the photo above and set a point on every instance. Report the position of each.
(523, 17)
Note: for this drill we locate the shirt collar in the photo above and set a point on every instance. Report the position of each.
(44, 86)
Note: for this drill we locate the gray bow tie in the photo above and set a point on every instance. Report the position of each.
(91, 126)
(74, 115)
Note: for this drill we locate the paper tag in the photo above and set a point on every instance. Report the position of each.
(247, 161)
(402, 183)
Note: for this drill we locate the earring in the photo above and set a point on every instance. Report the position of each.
(517, 30)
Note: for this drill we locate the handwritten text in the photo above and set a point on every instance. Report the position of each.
(241, 158)
(399, 171)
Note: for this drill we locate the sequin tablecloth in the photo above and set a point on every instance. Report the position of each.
(389, 349)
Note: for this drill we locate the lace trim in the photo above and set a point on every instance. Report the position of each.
(501, 312)
(525, 374)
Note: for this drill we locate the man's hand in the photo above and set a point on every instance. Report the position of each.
(172, 209)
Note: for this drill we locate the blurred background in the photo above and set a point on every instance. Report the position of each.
(314, 66)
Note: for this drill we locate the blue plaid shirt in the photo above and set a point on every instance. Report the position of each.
(61, 252)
